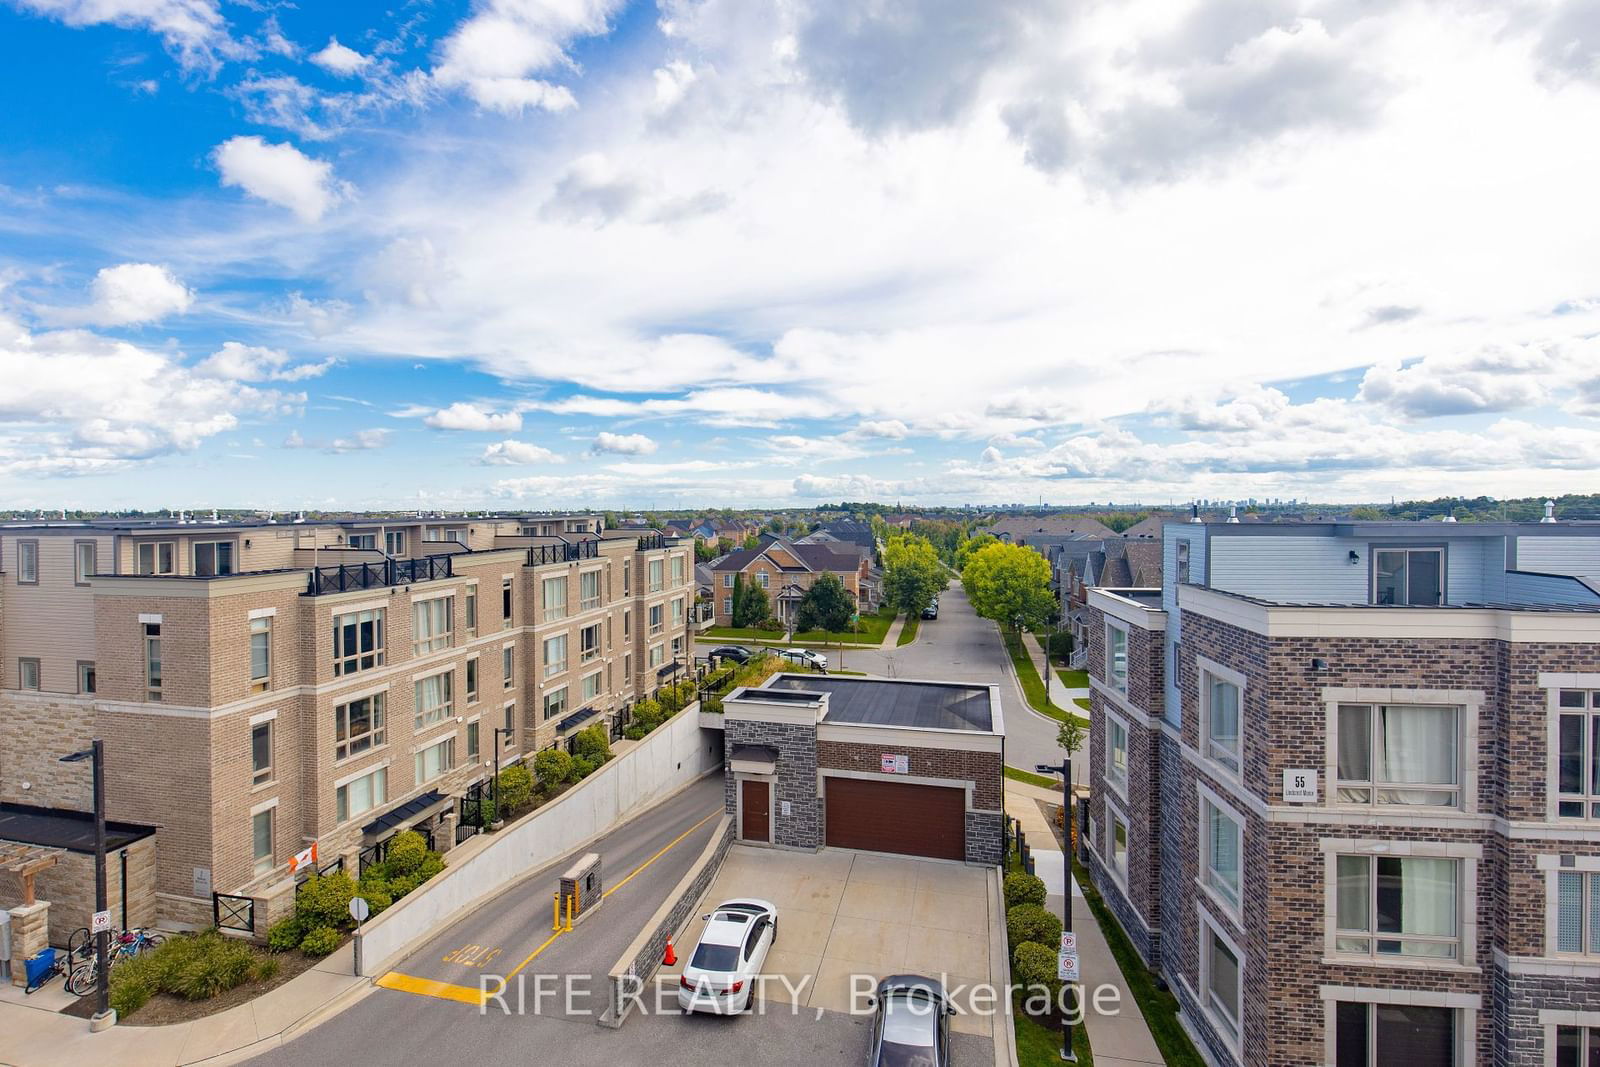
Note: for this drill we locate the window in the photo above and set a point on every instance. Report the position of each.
(508, 666)
(1408, 576)
(394, 542)
(627, 669)
(505, 603)
(677, 648)
(627, 577)
(213, 557)
(152, 661)
(261, 838)
(1398, 906)
(1220, 983)
(472, 741)
(431, 624)
(1222, 846)
(677, 570)
(1116, 752)
(1367, 1035)
(1183, 562)
(368, 541)
(727, 605)
(555, 655)
(508, 735)
(260, 654)
(82, 561)
(27, 563)
(1399, 754)
(727, 580)
(472, 680)
(588, 590)
(655, 618)
(677, 612)
(86, 676)
(472, 610)
(1222, 721)
(655, 576)
(357, 641)
(590, 687)
(156, 557)
(361, 795)
(763, 577)
(553, 599)
(358, 726)
(429, 763)
(555, 703)
(1117, 658)
(588, 643)
(261, 752)
(1578, 912)
(1119, 846)
(1578, 755)
(1577, 1046)
(657, 655)
(434, 699)
(27, 673)
(627, 622)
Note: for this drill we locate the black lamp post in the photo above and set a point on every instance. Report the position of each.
(1065, 770)
(103, 1015)
(495, 785)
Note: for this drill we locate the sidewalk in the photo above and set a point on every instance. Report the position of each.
(1121, 1040)
(893, 635)
(1060, 695)
(34, 1034)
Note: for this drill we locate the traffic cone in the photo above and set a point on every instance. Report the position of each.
(671, 958)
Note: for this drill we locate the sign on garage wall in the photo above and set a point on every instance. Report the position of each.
(893, 764)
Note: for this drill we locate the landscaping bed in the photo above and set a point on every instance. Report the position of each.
(1032, 684)
(908, 632)
(1032, 934)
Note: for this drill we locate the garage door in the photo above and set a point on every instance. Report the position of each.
(879, 816)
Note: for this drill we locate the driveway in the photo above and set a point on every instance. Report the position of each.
(843, 913)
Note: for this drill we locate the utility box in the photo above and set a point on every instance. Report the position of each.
(581, 888)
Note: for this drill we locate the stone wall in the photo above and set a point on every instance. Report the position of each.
(795, 778)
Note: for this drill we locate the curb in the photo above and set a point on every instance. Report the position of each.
(358, 991)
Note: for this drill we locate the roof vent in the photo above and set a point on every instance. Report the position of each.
(1233, 512)
(1549, 511)
(1448, 518)
(1194, 512)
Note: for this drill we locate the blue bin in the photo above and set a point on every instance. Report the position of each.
(38, 967)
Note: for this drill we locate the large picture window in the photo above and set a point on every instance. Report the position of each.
(431, 624)
(357, 641)
(1578, 912)
(1398, 906)
(1578, 755)
(1372, 1035)
(358, 726)
(1399, 754)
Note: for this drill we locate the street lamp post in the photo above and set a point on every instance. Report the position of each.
(103, 1015)
(1065, 770)
(495, 791)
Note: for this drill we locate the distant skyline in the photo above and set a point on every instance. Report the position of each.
(519, 254)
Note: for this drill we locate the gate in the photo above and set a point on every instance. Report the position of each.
(229, 912)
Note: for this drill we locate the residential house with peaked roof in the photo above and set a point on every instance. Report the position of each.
(1022, 529)
(785, 570)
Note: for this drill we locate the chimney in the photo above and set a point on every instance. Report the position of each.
(1549, 511)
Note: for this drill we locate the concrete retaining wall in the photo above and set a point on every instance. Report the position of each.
(669, 758)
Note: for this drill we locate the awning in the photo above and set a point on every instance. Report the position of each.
(672, 668)
(577, 718)
(414, 810)
(65, 828)
(753, 759)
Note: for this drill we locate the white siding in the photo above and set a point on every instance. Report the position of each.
(1559, 555)
(1291, 569)
(54, 620)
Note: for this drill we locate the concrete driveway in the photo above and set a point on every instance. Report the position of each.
(844, 913)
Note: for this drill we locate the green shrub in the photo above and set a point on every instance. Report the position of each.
(634, 733)
(1030, 922)
(133, 982)
(1023, 888)
(266, 969)
(770, 625)
(582, 768)
(552, 767)
(320, 942)
(285, 934)
(376, 890)
(1034, 965)
(200, 967)
(407, 850)
(516, 788)
(324, 900)
(592, 745)
(647, 715)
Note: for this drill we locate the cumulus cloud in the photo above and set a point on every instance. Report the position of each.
(889, 429)
(129, 294)
(280, 174)
(339, 59)
(360, 441)
(493, 54)
(1487, 380)
(511, 453)
(466, 416)
(626, 444)
(252, 363)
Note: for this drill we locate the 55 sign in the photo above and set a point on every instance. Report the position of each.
(1299, 786)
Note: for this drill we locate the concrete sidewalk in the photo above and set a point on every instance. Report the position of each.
(1121, 1040)
(33, 1033)
(1060, 695)
(892, 635)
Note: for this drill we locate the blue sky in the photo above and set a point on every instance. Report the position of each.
(550, 253)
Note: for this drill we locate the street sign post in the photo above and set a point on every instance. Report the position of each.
(100, 923)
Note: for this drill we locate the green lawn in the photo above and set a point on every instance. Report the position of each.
(1082, 702)
(908, 632)
(873, 629)
(1044, 781)
(1073, 679)
(1032, 684)
(1040, 1046)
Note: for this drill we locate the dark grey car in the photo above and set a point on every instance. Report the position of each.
(737, 653)
(911, 1023)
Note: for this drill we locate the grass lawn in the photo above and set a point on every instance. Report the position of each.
(908, 632)
(873, 629)
(1082, 702)
(1039, 1045)
(1041, 780)
(1073, 679)
(1032, 684)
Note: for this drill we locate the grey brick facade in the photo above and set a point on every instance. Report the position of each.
(795, 779)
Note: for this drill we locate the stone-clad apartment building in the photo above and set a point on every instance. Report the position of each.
(1346, 789)
(261, 686)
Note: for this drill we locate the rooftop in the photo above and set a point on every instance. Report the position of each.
(895, 702)
(64, 828)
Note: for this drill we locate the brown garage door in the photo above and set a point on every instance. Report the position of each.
(880, 816)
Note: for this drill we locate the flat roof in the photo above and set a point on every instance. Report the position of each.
(65, 828)
(895, 702)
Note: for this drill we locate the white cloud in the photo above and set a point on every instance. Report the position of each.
(280, 174)
(516, 453)
(250, 363)
(339, 59)
(626, 444)
(360, 441)
(493, 54)
(129, 294)
(892, 429)
(465, 416)
(795, 449)
(194, 30)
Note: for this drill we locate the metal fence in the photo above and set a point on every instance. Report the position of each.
(347, 576)
(539, 555)
(229, 912)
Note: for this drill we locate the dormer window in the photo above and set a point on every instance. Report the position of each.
(1408, 576)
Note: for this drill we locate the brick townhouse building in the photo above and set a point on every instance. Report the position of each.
(1346, 789)
(784, 570)
(262, 686)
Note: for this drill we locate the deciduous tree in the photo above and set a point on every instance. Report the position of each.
(827, 605)
(912, 574)
(1009, 584)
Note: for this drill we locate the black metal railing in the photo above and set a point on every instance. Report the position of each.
(348, 576)
(229, 912)
(539, 555)
(651, 542)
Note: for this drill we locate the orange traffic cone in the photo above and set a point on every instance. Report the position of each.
(671, 957)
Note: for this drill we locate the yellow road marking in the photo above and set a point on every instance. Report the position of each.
(429, 987)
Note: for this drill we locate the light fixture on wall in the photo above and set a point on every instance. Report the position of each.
(1355, 557)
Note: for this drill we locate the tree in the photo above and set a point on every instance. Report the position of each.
(704, 551)
(972, 544)
(1070, 735)
(912, 574)
(750, 607)
(1009, 584)
(827, 605)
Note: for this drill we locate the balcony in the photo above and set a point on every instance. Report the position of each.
(651, 542)
(540, 555)
(349, 576)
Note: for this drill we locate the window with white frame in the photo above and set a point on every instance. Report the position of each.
(508, 734)
(727, 605)
(261, 840)
(357, 641)
(553, 598)
(83, 561)
(1116, 752)
(261, 753)
(472, 680)
(505, 603)
(1221, 742)
(764, 579)
(28, 673)
(1577, 1046)
(555, 703)
(655, 618)
(358, 726)
(677, 570)
(213, 557)
(1222, 851)
(588, 590)
(1373, 1035)
(1577, 924)
(1577, 777)
(360, 795)
(368, 541)
(472, 610)
(27, 563)
(152, 661)
(727, 580)
(1398, 907)
(394, 542)
(1398, 754)
(1117, 658)
(658, 655)
(86, 676)
(1221, 981)
(473, 742)
(590, 688)
(655, 576)
(260, 654)
(508, 666)
(434, 701)
(677, 647)
(429, 763)
(677, 612)
(588, 643)
(431, 624)
(156, 557)
(555, 654)
(1413, 576)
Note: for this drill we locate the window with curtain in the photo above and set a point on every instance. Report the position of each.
(591, 686)
(553, 598)
(1374, 1035)
(429, 763)
(655, 576)
(555, 703)
(1222, 722)
(1578, 912)
(555, 655)
(1578, 755)
(1117, 658)
(260, 654)
(431, 624)
(434, 701)
(1116, 752)
(589, 590)
(360, 796)
(1407, 906)
(1401, 754)
(1224, 844)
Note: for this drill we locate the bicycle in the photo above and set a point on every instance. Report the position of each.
(82, 979)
